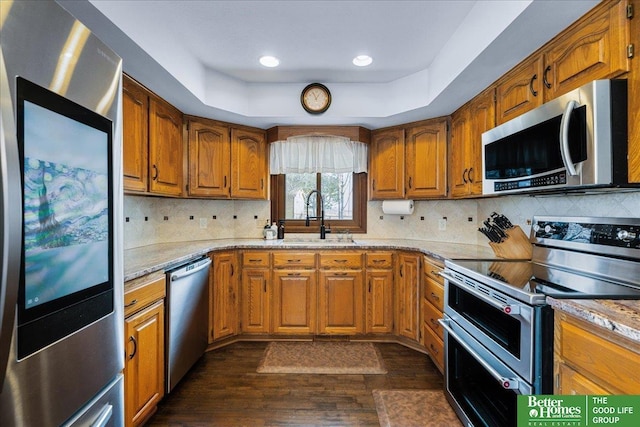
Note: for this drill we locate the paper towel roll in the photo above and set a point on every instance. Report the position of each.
(397, 207)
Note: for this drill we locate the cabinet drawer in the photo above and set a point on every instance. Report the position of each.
(434, 293)
(431, 316)
(599, 359)
(382, 260)
(255, 259)
(435, 347)
(431, 271)
(351, 260)
(294, 260)
(141, 292)
(571, 382)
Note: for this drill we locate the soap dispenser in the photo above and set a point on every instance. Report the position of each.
(281, 229)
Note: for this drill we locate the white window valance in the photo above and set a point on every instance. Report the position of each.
(318, 154)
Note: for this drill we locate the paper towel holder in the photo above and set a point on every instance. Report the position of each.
(398, 207)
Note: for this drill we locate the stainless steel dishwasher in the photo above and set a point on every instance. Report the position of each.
(187, 321)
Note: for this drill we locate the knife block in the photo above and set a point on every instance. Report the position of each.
(515, 246)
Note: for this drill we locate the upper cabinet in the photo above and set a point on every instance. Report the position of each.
(467, 125)
(594, 47)
(409, 162)
(152, 142)
(226, 162)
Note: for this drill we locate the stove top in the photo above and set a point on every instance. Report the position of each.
(573, 257)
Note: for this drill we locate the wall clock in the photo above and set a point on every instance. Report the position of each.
(315, 98)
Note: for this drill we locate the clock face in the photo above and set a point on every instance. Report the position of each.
(316, 98)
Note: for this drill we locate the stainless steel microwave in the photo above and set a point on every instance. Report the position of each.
(576, 141)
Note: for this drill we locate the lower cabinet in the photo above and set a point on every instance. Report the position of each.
(589, 359)
(432, 337)
(144, 347)
(256, 287)
(223, 300)
(379, 294)
(407, 280)
(340, 296)
(294, 301)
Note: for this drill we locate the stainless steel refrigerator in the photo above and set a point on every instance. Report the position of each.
(61, 324)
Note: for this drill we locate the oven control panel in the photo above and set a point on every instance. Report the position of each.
(614, 234)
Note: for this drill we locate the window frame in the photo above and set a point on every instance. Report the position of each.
(357, 225)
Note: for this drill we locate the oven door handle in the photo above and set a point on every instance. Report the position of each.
(510, 309)
(507, 383)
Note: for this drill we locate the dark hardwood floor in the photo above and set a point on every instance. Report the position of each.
(223, 389)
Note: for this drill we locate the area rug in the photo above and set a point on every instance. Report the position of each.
(321, 357)
(414, 408)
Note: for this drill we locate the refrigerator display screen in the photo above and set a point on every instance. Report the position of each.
(65, 154)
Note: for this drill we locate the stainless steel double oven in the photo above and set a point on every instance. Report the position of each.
(498, 325)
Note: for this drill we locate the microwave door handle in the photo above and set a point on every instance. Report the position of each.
(564, 138)
(507, 383)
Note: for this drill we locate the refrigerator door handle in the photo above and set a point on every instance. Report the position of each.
(11, 219)
(104, 417)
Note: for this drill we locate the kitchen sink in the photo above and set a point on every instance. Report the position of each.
(317, 241)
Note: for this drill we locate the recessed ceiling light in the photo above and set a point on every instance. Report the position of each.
(269, 61)
(362, 60)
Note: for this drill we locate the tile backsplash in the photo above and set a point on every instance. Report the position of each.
(159, 220)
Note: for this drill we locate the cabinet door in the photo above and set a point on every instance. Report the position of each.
(595, 48)
(255, 300)
(209, 160)
(248, 164)
(165, 148)
(341, 302)
(520, 90)
(379, 307)
(386, 174)
(458, 175)
(569, 381)
(294, 301)
(144, 365)
(407, 295)
(135, 124)
(482, 117)
(426, 161)
(223, 290)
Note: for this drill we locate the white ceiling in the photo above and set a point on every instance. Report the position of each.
(429, 57)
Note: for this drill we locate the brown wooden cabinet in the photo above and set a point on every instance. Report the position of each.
(223, 291)
(379, 299)
(209, 159)
(409, 162)
(386, 172)
(152, 142)
(226, 162)
(594, 47)
(294, 300)
(589, 359)
(426, 161)
(467, 126)
(340, 295)
(144, 347)
(407, 286)
(431, 311)
(248, 164)
(634, 105)
(256, 286)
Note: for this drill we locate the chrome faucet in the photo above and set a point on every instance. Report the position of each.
(323, 229)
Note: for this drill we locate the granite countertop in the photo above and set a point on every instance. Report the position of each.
(163, 256)
(619, 316)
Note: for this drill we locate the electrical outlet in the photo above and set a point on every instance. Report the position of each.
(442, 224)
(203, 222)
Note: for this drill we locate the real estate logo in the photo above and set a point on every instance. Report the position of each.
(578, 411)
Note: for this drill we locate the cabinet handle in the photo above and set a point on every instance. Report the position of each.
(434, 323)
(378, 261)
(232, 270)
(434, 273)
(469, 175)
(225, 182)
(544, 77)
(409, 182)
(531, 89)
(435, 297)
(135, 347)
(293, 260)
(464, 177)
(255, 260)
(265, 286)
(262, 183)
(132, 303)
(293, 274)
(435, 351)
(340, 274)
(373, 185)
(340, 260)
(155, 172)
(369, 285)
(401, 267)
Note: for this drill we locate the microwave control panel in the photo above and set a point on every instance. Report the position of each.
(557, 178)
(618, 235)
